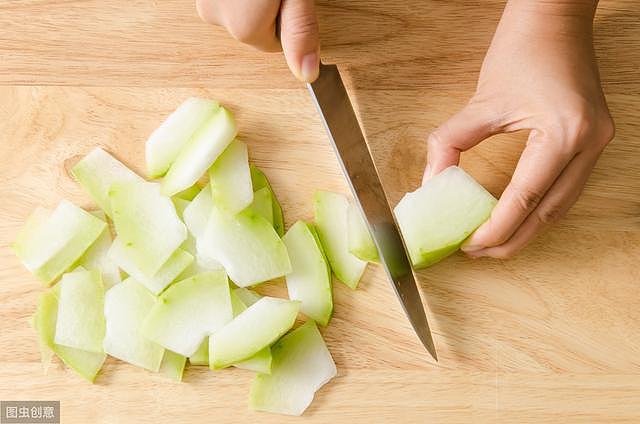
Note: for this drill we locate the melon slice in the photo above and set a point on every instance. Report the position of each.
(310, 278)
(166, 142)
(301, 365)
(202, 150)
(259, 181)
(247, 296)
(230, 179)
(196, 215)
(261, 361)
(80, 320)
(360, 241)
(97, 257)
(254, 329)
(440, 215)
(125, 307)
(188, 194)
(51, 242)
(147, 224)
(97, 171)
(188, 311)
(201, 356)
(262, 204)
(173, 365)
(331, 216)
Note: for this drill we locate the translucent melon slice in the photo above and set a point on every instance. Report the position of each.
(247, 296)
(201, 356)
(166, 142)
(196, 215)
(173, 365)
(254, 329)
(259, 181)
(188, 194)
(331, 216)
(440, 215)
(301, 365)
(125, 307)
(202, 150)
(263, 204)
(188, 311)
(147, 224)
(97, 171)
(230, 179)
(97, 257)
(310, 278)
(360, 241)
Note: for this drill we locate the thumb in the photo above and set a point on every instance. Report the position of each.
(461, 132)
(300, 39)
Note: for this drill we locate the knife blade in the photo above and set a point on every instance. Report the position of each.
(340, 121)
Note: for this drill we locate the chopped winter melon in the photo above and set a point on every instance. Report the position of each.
(310, 280)
(331, 217)
(80, 323)
(230, 179)
(201, 356)
(125, 307)
(97, 258)
(168, 272)
(301, 365)
(188, 194)
(50, 243)
(165, 143)
(247, 296)
(246, 245)
(196, 215)
(97, 171)
(181, 205)
(188, 311)
(440, 215)
(259, 181)
(262, 204)
(173, 365)
(254, 329)
(147, 224)
(202, 150)
(86, 364)
(360, 241)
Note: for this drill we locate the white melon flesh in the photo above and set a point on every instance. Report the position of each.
(157, 282)
(125, 307)
(262, 204)
(259, 181)
(331, 217)
(188, 311)
(254, 329)
(97, 258)
(440, 215)
(173, 365)
(166, 142)
(147, 224)
(246, 245)
(310, 279)
(97, 171)
(86, 364)
(51, 242)
(301, 365)
(230, 179)
(202, 150)
(80, 320)
(196, 215)
(360, 241)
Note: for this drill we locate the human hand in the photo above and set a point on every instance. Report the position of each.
(271, 25)
(539, 74)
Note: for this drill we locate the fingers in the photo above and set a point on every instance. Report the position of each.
(462, 131)
(299, 35)
(542, 161)
(555, 204)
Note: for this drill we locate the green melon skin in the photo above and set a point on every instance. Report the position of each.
(438, 217)
(301, 365)
(259, 181)
(263, 204)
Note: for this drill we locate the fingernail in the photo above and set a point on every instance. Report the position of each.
(427, 174)
(470, 248)
(310, 67)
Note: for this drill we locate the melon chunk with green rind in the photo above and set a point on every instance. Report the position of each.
(188, 311)
(301, 365)
(259, 181)
(97, 172)
(440, 215)
(80, 321)
(97, 257)
(310, 279)
(125, 307)
(188, 194)
(168, 272)
(166, 142)
(230, 179)
(263, 204)
(201, 356)
(52, 242)
(86, 364)
(196, 215)
(172, 365)
(147, 224)
(331, 219)
(360, 241)
(202, 150)
(246, 245)
(258, 327)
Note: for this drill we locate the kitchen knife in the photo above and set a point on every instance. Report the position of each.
(334, 106)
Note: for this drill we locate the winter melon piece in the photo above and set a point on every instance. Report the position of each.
(260, 181)
(360, 241)
(173, 365)
(230, 179)
(97, 257)
(263, 204)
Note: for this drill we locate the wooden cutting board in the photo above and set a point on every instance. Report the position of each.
(552, 335)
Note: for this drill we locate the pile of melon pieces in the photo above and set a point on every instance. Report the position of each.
(160, 274)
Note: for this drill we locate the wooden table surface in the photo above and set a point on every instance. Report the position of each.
(550, 336)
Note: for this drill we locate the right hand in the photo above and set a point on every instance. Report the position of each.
(271, 25)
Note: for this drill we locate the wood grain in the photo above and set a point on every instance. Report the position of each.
(550, 336)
